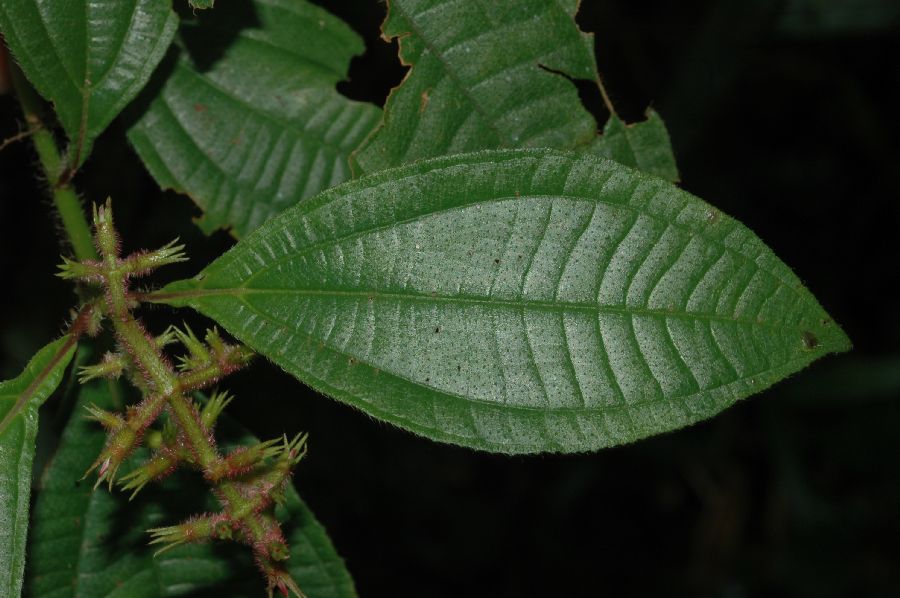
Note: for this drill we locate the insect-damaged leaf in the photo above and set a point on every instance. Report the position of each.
(249, 121)
(19, 402)
(644, 145)
(487, 75)
(517, 301)
(92, 544)
(89, 57)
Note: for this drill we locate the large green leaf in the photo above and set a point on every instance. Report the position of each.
(93, 544)
(481, 78)
(256, 124)
(19, 402)
(517, 301)
(89, 57)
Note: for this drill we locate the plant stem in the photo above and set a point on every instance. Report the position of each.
(64, 197)
(165, 381)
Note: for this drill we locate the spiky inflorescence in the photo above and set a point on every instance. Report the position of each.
(248, 480)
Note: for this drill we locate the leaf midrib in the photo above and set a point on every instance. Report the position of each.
(536, 304)
(749, 378)
(39, 379)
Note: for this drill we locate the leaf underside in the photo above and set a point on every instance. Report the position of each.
(517, 301)
(93, 544)
(20, 399)
(251, 132)
(89, 57)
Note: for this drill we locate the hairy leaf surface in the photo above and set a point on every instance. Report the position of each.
(484, 75)
(517, 301)
(89, 57)
(249, 121)
(19, 402)
(93, 544)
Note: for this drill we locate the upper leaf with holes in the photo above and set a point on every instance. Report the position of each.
(483, 75)
(247, 147)
(517, 301)
(89, 57)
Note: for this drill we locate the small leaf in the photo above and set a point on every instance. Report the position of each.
(644, 145)
(517, 301)
(483, 75)
(94, 544)
(19, 402)
(89, 57)
(247, 147)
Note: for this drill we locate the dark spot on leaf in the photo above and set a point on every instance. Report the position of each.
(199, 107)
(427, 379)
(437, 329)
(459, 368)
(809, 340)
(497, 260)
(351, 361)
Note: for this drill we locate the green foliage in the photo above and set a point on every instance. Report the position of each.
(495, 75)
(92, 544)
(500, 277)
(19, 402)
(517, 301)
(644, 145)
(481, 78)
(256, 130)
(89, 57)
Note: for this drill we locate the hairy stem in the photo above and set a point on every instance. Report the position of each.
(165, 381)
(64, 197)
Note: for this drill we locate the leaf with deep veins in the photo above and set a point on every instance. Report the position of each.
(19, 402)
(517, 301)
(89, 57)
(483, 75)
(488, 75)
(258, 128)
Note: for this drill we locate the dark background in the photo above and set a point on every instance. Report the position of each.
(782, 114)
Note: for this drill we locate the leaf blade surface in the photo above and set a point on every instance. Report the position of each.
(245, 148)
(483, 75)
(20, 399)
(90, 57)
(517, 301)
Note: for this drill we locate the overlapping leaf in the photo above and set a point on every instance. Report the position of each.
(19, 402)
(93, 544)
(644, 145)
(89, 57)
(517, 301)
(249, 121)
(494, 75)
(483, 75)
